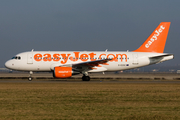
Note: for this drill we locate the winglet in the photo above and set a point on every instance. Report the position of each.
(157, 40)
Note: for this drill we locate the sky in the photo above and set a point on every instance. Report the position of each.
(85, 25)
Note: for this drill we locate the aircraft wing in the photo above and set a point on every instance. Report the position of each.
(86, 66)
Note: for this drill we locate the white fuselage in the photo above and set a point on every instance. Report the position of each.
(47, 60)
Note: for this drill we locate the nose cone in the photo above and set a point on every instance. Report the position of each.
(8, 64)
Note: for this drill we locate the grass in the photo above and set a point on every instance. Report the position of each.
(89, 101)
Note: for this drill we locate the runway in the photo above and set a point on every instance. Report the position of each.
(22, 77)
(92, 81)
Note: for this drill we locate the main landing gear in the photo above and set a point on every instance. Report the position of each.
(30, 73)
(85, 77)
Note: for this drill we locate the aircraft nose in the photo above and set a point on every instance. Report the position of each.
(8, 64)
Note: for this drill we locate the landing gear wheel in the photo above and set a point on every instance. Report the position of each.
(85, 78)
(30, 73)
(30, 78)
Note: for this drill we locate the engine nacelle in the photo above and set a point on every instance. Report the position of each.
(62, 72)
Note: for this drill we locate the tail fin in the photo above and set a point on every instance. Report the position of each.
(157, 40)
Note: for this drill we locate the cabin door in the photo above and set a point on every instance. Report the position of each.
(135, 59)
(29, 58)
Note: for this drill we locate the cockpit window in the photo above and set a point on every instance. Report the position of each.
(17, 57)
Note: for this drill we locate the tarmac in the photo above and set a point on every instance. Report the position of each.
(18, 77)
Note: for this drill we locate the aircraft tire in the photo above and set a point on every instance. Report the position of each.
(30, 78)
(85, 78)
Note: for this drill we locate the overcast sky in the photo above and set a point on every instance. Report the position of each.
(67, 25)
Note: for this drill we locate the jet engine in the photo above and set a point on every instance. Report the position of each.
(64, 72)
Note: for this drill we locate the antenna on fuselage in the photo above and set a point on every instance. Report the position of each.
(32, 50)
(106, 50)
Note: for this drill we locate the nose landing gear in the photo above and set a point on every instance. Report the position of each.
(30, 73)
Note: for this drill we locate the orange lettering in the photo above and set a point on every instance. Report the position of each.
(121, 56)
(56, 57)
(38, 57)
(84, 57)
(65, 58)
(113, 59)
(101, 56)
(92, 56)
(47, 57)
(76, 57)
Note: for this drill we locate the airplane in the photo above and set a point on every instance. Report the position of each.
(64, 64)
